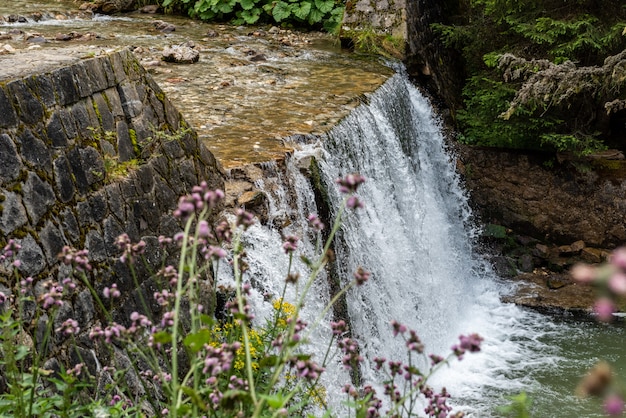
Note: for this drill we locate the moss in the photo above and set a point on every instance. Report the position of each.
(133, 140)
(98, 114)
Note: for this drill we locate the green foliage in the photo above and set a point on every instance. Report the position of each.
(325, 14)
(518, 408)
(580, 31)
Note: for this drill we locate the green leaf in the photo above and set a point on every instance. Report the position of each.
(207, 320)
(225, 7)
(162, 337)
(301, 11)
(281, 11)
(324, 6)
(276, 401)
(197, 340)
(246, 4)
(251, 16)
(195, 397)
(315, 16)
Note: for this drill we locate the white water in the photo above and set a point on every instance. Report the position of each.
(417, 238)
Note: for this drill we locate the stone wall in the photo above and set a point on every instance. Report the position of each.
(555, 200)
(90, 150)
(435, 67)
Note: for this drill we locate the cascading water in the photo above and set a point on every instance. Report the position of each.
(416, 236)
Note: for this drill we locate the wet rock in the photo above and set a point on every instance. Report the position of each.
(6, 49)
(150, 8)
(63, 37)
(36, 39)
(16, 19)
(164, 26)
(180, 54)
(212, 33)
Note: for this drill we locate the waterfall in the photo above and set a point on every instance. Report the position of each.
(417, 237)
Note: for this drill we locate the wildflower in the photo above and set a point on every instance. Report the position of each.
(214, 252)
(69, 327)
(78, 259)
(223, 232)
(469, 343)
(354, 202)
(604, 309)
(306, 369)
(350, 183)
(3, 298)
(435, 359)
(398, 328)
(614, 405)
(292, 278)
(10, 250)
(617, 283)
(315, 222)
(53, 296)
(244, 218)
(361, 276)
(170, 274)
(584, 273)
(291, 244)
(204, 230)
(379, 362)
(130, 251)
(618, 258)
(17, 263)
(76, 370)
(339, 327)
(414, 343)
(111, 292)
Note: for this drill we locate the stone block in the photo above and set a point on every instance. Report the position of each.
(83, 214)
(29, 108)
(69, 226)
(68, 123)
(94, 165)
(43, 85)
(78, 172)
(35, 151)
(55, 132)
(84, 308)
(125, 148)
(115, 102)
(112, 229)
(83, 118)
(83, 81)
(10, 162)
(38, 197)
(118, 68)
(8, 117)
(172, 115)
(165, 197)
(104, 113)
(65, 86)
(131, 103)
(96, 73)
(157, 107)
(145, 178)
(98, 205)
(52, 241)
(13, 214)
(115, 201)
(31, 255)
(64, 184)
(94, 243)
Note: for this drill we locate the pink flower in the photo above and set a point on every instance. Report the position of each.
(604, 308)
(617, 283)
(614, 405)
(583, 273)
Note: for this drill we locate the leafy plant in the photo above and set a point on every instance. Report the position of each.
(188, 358)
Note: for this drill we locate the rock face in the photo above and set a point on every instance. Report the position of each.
(559, 202)
(89, 150)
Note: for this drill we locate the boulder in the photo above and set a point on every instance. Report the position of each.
(180, 54)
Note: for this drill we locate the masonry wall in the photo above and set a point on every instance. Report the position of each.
(89, 151)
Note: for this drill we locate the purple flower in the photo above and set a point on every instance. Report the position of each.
(604, 308)
(111, 292)
(350, 183)
(69, 327)
(614, 405)
(398, 328)
(339, 327)
(291, 244)
(361, 276)
(244, 218)
(315, 222)
(617, 283)
(354, 202)
(75, 258)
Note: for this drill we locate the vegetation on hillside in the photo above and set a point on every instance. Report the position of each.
(542, 74)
